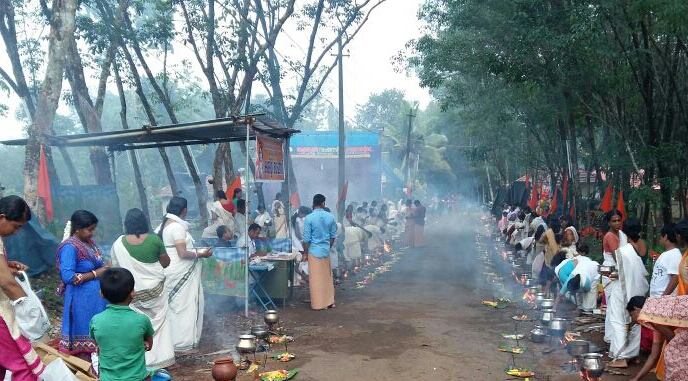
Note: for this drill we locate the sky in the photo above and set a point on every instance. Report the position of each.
(368, 69)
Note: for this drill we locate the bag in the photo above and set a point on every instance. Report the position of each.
(57, 370)
(29, 314)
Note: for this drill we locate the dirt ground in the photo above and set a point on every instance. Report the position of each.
(422, 320)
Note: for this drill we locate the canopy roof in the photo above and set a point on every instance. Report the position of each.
(203, 132)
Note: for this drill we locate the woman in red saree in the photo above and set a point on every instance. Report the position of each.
(16, 353)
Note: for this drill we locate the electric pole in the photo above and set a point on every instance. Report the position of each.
(342, 136)
(407, 173)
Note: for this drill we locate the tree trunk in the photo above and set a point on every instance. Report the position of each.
(174, 187)
(70, 167)
(61, 32)
(201, 191)
(87, 113)
(143, 199)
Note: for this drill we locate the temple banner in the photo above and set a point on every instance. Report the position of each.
(269, 159)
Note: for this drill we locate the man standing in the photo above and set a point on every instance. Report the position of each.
(319, 233)
(263, 220)
(665, 272)
(419, 231)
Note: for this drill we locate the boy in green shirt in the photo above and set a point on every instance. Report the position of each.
(123, 335)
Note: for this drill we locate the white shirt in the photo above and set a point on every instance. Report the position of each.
(241, 242)
(666, 265)
(240, 222)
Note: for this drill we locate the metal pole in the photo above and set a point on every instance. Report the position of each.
(342, 135)
(246, 238)
(287, 160)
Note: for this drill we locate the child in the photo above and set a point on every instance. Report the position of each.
(123, 336)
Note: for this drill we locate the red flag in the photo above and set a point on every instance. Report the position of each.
(621, 206)
(294, 200)
(44, 185)
(554, 204)
(532, 203)
(345, 190)
(606, 204)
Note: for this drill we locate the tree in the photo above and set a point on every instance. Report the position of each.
(62, 26)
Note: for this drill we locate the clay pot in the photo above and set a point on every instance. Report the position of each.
(224, 369)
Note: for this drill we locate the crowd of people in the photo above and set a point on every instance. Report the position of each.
(640, 312)
(152, 281)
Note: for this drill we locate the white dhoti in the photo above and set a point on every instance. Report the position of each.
(623, 344)
(151, 301)
(587, 301)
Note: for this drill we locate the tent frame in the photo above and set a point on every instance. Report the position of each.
(222, 130)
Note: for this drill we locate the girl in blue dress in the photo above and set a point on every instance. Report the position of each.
(80, 265)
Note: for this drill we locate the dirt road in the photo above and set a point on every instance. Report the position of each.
(421, 321)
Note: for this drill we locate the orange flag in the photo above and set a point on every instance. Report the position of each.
(606, 204)
(236, 184)
(621, 206)
(44, 192)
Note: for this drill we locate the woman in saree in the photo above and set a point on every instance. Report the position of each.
(669, 316)
(80, 264)
(144, 255)
(16, 353)
(569, 242)
(612, 240)
(280, 220)
(220, 216)
(183, 287)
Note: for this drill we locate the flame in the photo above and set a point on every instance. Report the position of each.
(529, 297)
(387, 247)
(570, 336)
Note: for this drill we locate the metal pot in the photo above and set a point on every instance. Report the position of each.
(246, 344)
(539, 297)
(606, 270)
(546, 304)
(260, 331)
(538, 334)
(547, 316)
(271, 317)
(557, 327)
(577, 348)
(592, 364)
